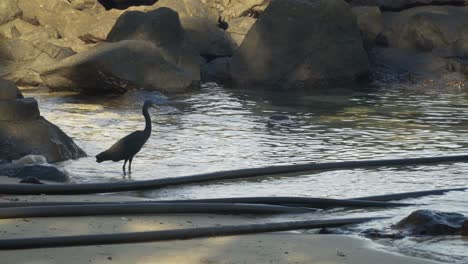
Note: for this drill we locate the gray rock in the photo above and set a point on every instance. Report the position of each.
(460, 48)
(406, 62)
(31, 180)
(39, 136)
(40, 172)
(23, 131)
(9, 10)
(118, 67)
(161, 27)
(9, 91)
(289, 47)
(431, 28)
(369, 21)
(19, 110)
(217, 70)
(429, 222)
(207, 38)
(239, 27)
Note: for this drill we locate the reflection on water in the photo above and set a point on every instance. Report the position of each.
(217, 129)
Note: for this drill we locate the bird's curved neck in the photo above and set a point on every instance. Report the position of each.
(147, 120)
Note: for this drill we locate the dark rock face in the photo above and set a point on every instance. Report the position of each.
(119, 67)
(369, 20)
(289, 47)
(31, 180)
(431, 28)
(217, 70)
(23, 131)
(162, 28)
(433, 223)
(9, 91)
(40, 172)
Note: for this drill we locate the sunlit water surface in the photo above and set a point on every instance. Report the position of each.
(218, 129)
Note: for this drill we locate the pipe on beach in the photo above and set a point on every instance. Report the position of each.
(147, 208)
(175, 234)
(305, 202)
(87, 188)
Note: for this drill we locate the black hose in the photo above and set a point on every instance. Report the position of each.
(306, 202)
(84, 188)
(407, 195)
(146, 208)
(167, 235)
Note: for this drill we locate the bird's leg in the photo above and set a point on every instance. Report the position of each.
(123, 167)
(130, 166)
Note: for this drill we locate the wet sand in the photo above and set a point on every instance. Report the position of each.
(281, 247)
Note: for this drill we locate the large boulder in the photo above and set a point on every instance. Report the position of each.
(207, 38)
(369, 21)
(118, 67)
(297, 44)
(163, 29)
(429, 222)
(9, 91)
(409, 64)
(431, 28)
(23, 131)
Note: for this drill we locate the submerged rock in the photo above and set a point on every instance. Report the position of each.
(23, 131)
(301, 44)
(40, 172)
(432, 223)
(31, 180)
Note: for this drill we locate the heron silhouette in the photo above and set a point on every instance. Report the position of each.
(127, 147)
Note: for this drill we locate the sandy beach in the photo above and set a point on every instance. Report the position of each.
(281, 247)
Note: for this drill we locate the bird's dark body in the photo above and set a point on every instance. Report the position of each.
(127, 147)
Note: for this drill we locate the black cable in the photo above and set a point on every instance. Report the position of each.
(85, 188)
(306, 202)
(167, 235)
(146, 208)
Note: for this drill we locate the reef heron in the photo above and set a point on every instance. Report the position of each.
(127, 147)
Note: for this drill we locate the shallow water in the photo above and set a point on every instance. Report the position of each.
(218, 129)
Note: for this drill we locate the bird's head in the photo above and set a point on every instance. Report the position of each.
(150, 103)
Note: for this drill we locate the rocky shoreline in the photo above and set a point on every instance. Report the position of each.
(172, 46)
